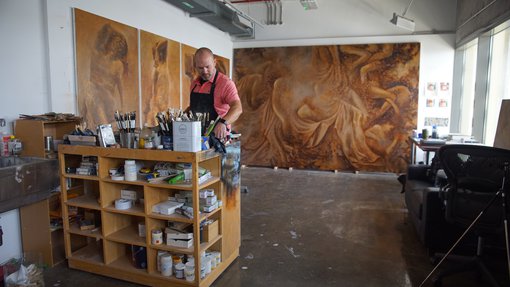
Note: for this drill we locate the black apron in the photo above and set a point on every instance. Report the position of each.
(204, 103)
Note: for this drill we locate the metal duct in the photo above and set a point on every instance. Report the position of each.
(273, 12)
(215, 13)
(269, 11)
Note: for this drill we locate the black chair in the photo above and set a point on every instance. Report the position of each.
(475, 174)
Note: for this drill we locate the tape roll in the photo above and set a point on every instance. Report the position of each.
(117, 177)
(122, 204)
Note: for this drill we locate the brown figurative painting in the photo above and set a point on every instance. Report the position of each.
(188, 72)
(107, 68)
(160, 68)
(222, 65)
(341, 107)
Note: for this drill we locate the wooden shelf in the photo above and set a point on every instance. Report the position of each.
(119, 230)
(79, 176)
(206, 245)
(94, 233)
(125, 264)
(128, 235)
(136, 210)
(37, 235)
(90, 253)
(84, 202)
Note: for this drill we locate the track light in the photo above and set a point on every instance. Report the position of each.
(403, 22)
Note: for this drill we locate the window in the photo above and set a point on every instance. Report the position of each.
(468, 87)
(499, 73)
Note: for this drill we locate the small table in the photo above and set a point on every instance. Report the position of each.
(430, 145)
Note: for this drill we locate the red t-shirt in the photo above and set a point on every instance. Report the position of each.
(224, 93)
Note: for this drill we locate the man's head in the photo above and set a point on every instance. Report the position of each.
(205, 64)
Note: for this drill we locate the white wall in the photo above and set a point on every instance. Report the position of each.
(23, 85)
(37, 72)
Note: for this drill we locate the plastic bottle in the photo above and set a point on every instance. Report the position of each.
(130, 173)
(434, 132)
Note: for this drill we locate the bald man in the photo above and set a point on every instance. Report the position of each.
(214, 93)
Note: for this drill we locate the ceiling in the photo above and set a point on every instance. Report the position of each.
(259, 20)
(350, 18)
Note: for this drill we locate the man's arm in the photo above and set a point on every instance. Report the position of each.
(234, 112)
(232, 115)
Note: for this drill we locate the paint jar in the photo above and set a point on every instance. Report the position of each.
(130, 173)
(189, 271)
(179, 271)
(157, 237)
(166, 265)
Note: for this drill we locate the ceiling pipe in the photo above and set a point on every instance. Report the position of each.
(268, 20)
(281, 12)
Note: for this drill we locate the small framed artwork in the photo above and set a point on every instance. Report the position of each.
(430, 103)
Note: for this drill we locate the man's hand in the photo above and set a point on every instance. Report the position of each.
(220, 130)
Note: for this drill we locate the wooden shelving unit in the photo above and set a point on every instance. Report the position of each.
(37, 234)
(106, 249)
(32, 133)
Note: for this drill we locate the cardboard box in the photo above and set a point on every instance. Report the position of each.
(174, 234)
(128, 194)
(210, 231)
(82, 140)
(166, 207)
(181, 243)
(187, 136)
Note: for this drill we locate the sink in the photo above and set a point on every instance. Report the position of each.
(26, 180)
(18, 161)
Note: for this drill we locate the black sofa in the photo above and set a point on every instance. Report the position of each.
(426, 208)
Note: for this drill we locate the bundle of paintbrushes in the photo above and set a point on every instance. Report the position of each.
(126, 123)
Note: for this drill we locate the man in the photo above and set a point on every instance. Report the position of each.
(214, 93)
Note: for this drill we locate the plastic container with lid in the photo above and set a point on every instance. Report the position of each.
(179, 271)
(166, 265)
(130, 173)
(189, 271)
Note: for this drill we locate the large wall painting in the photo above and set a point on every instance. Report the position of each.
(107, 68)
(222, 65)
(346, 107)
(160, 74)
(188, 72)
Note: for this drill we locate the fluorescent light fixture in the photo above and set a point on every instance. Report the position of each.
(402, 22)
(309, 4)
(187, 4)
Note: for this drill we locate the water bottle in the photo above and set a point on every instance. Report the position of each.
(434, 132)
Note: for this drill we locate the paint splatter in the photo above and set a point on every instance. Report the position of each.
(291, 250)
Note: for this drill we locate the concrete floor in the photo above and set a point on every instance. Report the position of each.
(309, 228)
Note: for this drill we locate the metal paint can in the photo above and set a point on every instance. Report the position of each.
(157, 237)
